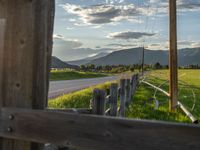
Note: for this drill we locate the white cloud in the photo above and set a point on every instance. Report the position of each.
(188, 43)
(58, 36)
(109, 13)
(129, 35)
(182, 5)
(60, 42)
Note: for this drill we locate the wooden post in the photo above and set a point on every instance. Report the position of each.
(25, 53)
(128, 92)
(132, 84)
(98, 104)
(122, 98)
(113, 99)
(173, 89)
(143, 61)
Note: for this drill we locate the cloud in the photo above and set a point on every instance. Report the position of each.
(182, 5)
(185, 42)
(122, 45)
(181, 44)
(69, 28)
(129, 35)
(158, 46)
(61, 43)
(58, 36)
(189, 4)
(189, 44)
(114, 1)
(107, 13)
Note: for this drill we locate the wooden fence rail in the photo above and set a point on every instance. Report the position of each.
(96, 132)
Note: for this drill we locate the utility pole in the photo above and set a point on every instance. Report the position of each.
(173, 88)
(142, 61)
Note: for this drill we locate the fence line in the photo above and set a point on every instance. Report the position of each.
(124, 93)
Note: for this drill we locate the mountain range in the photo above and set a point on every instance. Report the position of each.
(186, 56)
(57, 63)
(88, 59)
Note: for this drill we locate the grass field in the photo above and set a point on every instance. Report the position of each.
(142, 107)
(189, 95)
(79, 99)
(71, 74)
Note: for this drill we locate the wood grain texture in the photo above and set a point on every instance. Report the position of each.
(173, 57)
(98, 104)
(122, 97)
(24, 58)
(128, 92)
(98, 132)
(113, 99)
(72, 110)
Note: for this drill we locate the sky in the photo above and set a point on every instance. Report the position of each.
(85, 28)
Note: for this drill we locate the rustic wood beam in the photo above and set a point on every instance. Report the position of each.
(96, 132)
(26, 38)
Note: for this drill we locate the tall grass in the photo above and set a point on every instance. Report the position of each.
(79, 99)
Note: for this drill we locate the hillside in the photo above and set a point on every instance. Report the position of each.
(57, 63)
(87, 60)
(133, 56)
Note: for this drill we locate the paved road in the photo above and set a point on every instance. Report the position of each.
(58, 88)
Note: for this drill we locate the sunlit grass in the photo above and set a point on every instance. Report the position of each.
(68, 74)
(79, 99)
(189, 92)
(142, 107)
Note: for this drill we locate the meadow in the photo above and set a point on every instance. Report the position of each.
(143, 106)
(189, 95)
(67, 74)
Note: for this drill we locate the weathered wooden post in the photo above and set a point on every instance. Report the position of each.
(173, 89)
(98, 104)
(122, 97)
(26, 29)
(132, 84)
(113, 99)
(128, 92)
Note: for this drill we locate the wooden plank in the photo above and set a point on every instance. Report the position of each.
(2, 33)
(173, 89)
(133, 82)
(25, 53)
(97, 132)
(122, 97)
(113, 99)
(128, 92)
(98, 104)
(72, 110)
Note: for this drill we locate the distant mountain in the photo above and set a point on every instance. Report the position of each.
(133, 56)
(57, 63)
(87, 60)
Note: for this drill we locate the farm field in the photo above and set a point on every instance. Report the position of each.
(142, 106)
(68, 74)
(189, 96)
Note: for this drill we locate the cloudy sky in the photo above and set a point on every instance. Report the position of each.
(85, 28)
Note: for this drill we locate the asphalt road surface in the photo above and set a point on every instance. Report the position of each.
(58, 88)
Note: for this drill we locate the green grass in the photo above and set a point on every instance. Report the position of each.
(79, 99)
(72, 74)
(141, 107)
(189, 84)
